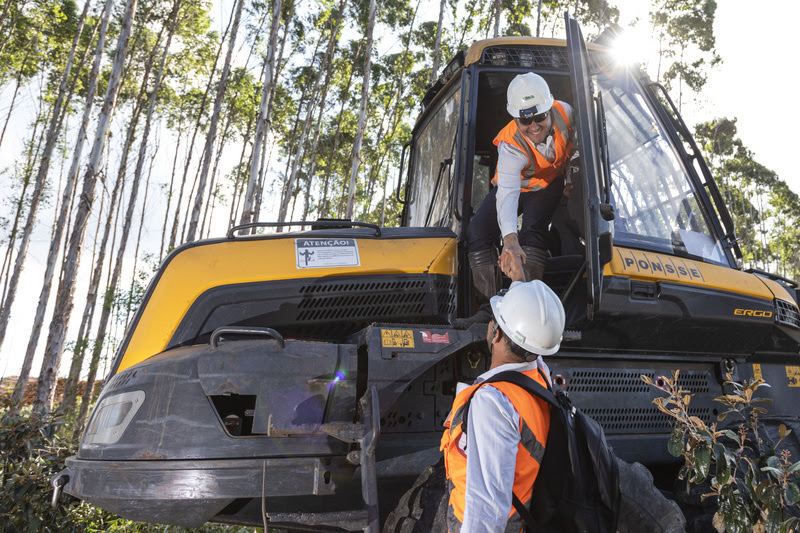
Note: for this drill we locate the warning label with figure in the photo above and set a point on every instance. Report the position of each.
(397, 338)
(323, 253)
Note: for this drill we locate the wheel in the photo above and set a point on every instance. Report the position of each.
(643, 507)
(423, 508)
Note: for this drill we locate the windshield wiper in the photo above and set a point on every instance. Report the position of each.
(606, 208)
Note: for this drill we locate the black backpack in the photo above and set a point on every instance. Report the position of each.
(577, 487)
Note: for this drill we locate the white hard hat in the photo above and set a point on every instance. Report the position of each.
(532, 316)
(528, 95)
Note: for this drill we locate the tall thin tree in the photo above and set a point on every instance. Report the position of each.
(212, 127)
(362, 117)
(69, 271)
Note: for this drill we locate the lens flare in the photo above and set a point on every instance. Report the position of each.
(631, 46)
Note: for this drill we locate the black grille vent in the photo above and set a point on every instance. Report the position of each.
(327, 309)
(630, 381)
(121, 379)
(639, 419)
(621, 402)
(363, 303)
(786, 314)
(446, 296)
(535, 57)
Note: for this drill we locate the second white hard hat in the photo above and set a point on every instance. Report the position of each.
(532, 316)
(527, 95)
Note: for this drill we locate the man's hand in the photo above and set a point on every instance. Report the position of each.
(512, 267)
(512, 258)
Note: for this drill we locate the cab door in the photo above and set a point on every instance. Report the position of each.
(596, 198)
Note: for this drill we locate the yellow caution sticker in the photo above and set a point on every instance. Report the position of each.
(398, 338)
(757, 371)
(793, 373)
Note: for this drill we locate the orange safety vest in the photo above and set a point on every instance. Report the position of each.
(534, 423)
(539, 172)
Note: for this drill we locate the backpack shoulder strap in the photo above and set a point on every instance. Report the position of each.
(524, 382)
(520, 380)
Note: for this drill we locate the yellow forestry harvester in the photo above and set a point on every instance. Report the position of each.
(305, 376)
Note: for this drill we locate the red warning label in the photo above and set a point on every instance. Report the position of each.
(439, 338)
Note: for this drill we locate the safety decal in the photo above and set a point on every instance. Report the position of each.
(439, 338)
(654, 265)
(793, 373)
(397, 338)
(326, 253)
(757, 371)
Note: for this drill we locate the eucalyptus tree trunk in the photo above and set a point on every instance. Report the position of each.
(325, 209)
(128, 306)
(278, 68)
(261, 123)
(301, 143)
(329, 53)
(437, 48)
(212, 182)
(71, 386)
(69, 271)
(498, 5)
(174, 231)
(212, 127)
(539, 19)
(38, 186)
(66, 201)
(128, 222)
(19, 211)
(362, 117)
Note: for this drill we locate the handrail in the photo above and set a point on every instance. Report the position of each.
(770, 275)
(331, 223)
(403, 201)
(724, 214)
(239, 330)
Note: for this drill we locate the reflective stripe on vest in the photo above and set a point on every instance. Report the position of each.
(534, 422)
(539, 172)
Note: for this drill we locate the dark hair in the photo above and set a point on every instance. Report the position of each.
(516, 349)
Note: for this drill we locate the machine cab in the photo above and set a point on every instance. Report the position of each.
(645, 218)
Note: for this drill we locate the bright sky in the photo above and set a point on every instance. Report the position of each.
(756, 83)
(756, 46)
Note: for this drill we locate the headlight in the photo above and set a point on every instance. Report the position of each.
(111, 416)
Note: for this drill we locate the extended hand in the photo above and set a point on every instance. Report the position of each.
(512, 258)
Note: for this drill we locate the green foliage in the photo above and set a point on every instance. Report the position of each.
(765, 211)
(33, 448)
(686, 30)
(754, 482)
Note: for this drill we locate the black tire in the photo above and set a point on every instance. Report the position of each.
(423, 508)
(643, 507)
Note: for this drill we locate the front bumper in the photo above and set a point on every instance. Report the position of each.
(190, 493)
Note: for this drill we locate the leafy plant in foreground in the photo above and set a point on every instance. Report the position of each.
(753, 481)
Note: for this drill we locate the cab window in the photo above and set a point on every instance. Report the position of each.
(433, 165)
(656, 204)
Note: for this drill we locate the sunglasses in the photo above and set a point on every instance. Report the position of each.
(527, 121)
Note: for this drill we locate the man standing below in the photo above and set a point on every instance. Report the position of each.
(499, 457)
(534, 154)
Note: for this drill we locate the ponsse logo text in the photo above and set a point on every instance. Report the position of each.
(752, 312)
